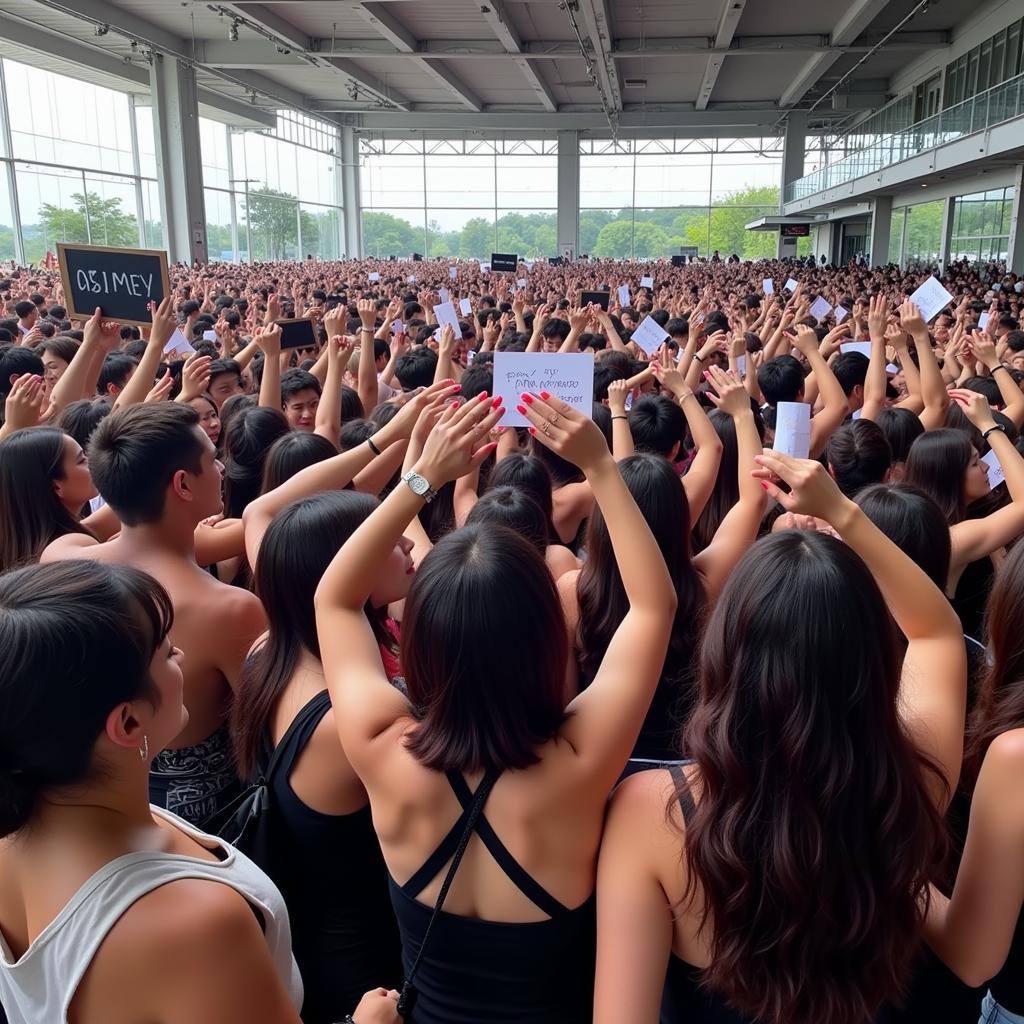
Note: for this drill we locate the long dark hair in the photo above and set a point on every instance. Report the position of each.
(936, 464)
(484, 652)
(291, 453)
(76, 639)
(511, 507)
(249, 435)
(31, 514)
(296, 550)
(814, 836)
(1000, 705)
(726, 492)
(529, 474)
(602, 598)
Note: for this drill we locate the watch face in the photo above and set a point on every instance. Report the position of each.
(418, 484)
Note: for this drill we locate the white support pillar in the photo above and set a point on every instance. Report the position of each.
(178, 158)
(1015, 256)
(568, 195)
(350, 197)
(881, 223)
(946, 240)
(823, 242)
(794, 147)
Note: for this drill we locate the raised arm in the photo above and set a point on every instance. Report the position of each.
(364, 701)
(269, 339)
(834, 405)
(328, 411)
(899, 339)
(135, 391)
(622, 436)
(933, 684)
(605, 719)
(366, 381)
(984, 350)
(874, 382)
(100, 337)
(933, 388)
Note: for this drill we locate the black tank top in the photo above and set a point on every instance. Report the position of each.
(475, 971)
(331, 873)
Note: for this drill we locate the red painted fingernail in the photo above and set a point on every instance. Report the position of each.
(528, 398)
(495, 403)
(521, 410)
(482, 395)
(544, 395)
(532, 430)
(763, 484)
(455, 405)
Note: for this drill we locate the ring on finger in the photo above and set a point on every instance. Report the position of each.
(554, 418)
(545, 430)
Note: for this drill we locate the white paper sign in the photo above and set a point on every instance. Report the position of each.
(891, 368)
(178, 343)
(741, 367)
(820, 308)
(983, 320)
(453, 273)
(768, 286)
(465, 307)
(443, 293)
(446, 315)
(995, 470)
(841, 314)
(373, 277)
(521, 282)
(863, 347)
(411, 279)
(209, 336)
(650, 335)
(931, 298)
(793, 429)
(646, 282)
(397, 327)
(856, 414)
(485, 268)
(791, 285)
(623, 293)
(569, 375)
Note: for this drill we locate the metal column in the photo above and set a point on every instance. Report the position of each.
(350, 198)
(1015, 256)
(178, 158)
(568, 195)
(881, 223)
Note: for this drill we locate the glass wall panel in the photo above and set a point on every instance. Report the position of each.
(393, 232)
(320, 231)
(7, 250)
(981, 225)
(213, 145)
(152, 219)
(52, 204)
(112, 210)
(924, 233)
(218, 224)
(474, 230)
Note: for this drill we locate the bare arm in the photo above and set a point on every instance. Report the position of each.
(933, 389)
(834, 404)
(874, 382)
(135, 391)
(622, 436)
(328, 411)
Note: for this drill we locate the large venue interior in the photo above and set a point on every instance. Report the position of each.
(512, 512)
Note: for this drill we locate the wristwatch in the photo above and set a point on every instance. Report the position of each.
(419, 486)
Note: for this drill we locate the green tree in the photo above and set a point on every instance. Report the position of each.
(615, 240)
(384, 234)
(477, 239)
(107, 223)
(273, 226)
(650, 240)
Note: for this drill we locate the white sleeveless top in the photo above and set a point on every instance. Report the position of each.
(39, 987)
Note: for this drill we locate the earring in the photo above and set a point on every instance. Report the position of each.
(144, 749)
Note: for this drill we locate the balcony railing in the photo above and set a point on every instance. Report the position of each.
(1000, 103)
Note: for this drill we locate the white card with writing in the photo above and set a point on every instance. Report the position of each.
(453, 273)
(820, 308)
(443, 293)
(931, 298)
(179, 343)
(446, 315)
(650, 335)
(465, 307)
(569, 375)
(983, 320)
(995, 470)
(646, 282)
(521, 282)
(841, 314)
(791, 285)
(863, 347)
(741, 367)
(793, 429)
(623, 293)
(373, 277)
(397, 327)
(209, 335)
(485, 268)
(768, 286)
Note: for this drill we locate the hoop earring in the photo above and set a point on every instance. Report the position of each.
(144, 749)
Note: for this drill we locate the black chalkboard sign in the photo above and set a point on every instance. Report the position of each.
(597, 298)
(122, 282)
(297, 333)
(504, 261)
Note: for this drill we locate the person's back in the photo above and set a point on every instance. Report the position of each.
(215, 624)
(515, 939)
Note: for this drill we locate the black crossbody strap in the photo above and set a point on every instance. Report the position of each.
(297, 734)
(407, 999)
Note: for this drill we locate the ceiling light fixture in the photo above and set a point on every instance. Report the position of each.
(233, 32)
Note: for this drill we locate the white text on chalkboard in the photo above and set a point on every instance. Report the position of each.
(100, 282)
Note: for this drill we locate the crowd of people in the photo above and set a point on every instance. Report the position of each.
(325, 696)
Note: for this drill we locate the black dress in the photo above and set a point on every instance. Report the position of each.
(331, 873)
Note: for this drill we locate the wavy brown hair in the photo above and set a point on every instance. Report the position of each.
(814, 837)
(1000, 704)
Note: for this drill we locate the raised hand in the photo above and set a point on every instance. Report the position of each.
(568, 433)
(811, 490)
(24, 404)
(339, 348)
(195, 376)
(161, 390)
(617, 392)
(107, 333)
(984, 348)
(453, 446)
(975, 407)
(910, 317)
(877, 316)
(805, 340)
(335, 320)
(729, 394)
(367, 312)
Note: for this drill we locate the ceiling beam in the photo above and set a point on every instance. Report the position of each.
(405, 42)
(367, 81)
(599, 30)
(497, 17)
(853, 22)
(727, 25)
